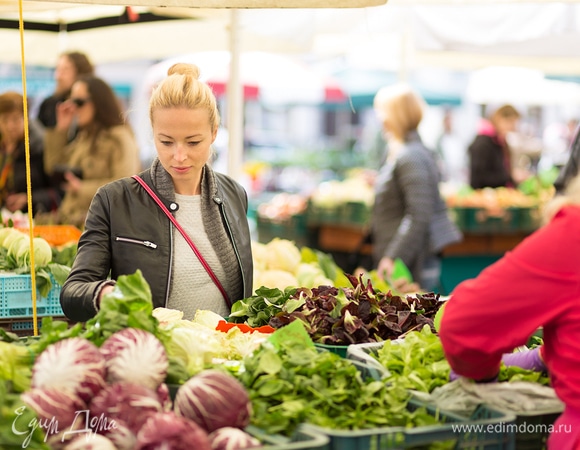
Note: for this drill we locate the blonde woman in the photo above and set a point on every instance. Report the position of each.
(535, 285)
(126, 229)
(410, 219)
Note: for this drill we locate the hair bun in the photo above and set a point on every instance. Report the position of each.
(184, 69)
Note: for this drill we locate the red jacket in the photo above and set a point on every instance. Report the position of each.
(535, 285)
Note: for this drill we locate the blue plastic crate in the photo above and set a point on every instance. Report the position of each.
(16, 298)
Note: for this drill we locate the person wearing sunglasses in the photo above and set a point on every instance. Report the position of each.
(104, 149)
(182, 224)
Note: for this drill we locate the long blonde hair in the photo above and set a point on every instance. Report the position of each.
(571, 196)
(401, 107)
(182, 88)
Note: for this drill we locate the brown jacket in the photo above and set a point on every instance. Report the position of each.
(112, 155)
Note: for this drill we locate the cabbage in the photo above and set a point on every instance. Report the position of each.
(135, 356)
(168, 431)
(282, 254)
(129, 405)
(311, 275)
(195, 347)
(167, 315)
(207, 318)
(91, 441)
(214, 399)
(74, 365)
(7, 234)
(229, 438)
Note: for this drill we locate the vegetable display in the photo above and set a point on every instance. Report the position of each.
(340, 316)
(292, 382)
(15, 257)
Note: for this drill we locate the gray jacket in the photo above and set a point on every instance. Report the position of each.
(410, 219)
(125, 230)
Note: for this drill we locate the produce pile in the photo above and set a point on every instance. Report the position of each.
(50, 263)
(138, 378)
(340, 316)
(111, 379)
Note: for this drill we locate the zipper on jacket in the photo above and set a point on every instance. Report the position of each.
(136, 241)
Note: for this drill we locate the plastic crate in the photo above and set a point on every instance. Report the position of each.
(323, 214)
(480, 220)
(303, 438)
(56, 235)
(485, 430)
(16, 298)
(530, 428)
(340, 350)
(24, 326)
(355, 213)
(294, 229)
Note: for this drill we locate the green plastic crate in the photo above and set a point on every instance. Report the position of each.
(340, 350)
(492, 434)
(302, 439)
(294, 229)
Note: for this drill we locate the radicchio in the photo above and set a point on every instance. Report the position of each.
(74, 365)
(214, 399)
(229, 438)
(135, 356)
(127, 405)
(166, 430)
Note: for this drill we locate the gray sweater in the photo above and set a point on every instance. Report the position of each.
(410, 219)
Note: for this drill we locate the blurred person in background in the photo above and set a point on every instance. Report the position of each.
(409, 220)
(69, 66)
(490, 162)
(570, 169)
(126, 229)
(452, 154)
(103, 150)
(535, 285)
(13, 186)
(557, 140)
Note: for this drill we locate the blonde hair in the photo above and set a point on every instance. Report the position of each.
(504, 112)
(401, 107)
(182, 88)
(571, 196)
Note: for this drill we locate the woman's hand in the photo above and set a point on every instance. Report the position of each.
(385, 268)
(73, 183)
(104, 291)
(65, 113)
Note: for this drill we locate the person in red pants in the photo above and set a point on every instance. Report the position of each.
(535, 285)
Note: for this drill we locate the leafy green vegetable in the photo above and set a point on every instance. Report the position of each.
(358, 314)
(416, 362)
(17, 422)
(293, 383)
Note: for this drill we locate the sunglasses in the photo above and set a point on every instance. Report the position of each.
(80, 102)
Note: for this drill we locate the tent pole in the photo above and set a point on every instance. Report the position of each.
(235, 103)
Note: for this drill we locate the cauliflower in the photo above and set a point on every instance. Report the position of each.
(282, 254)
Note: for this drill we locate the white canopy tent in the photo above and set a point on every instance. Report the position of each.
(205, 38)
